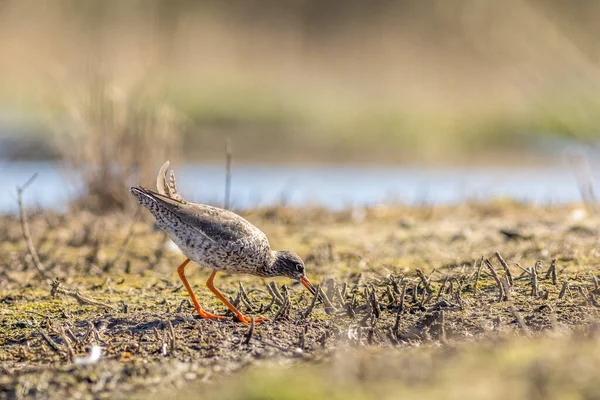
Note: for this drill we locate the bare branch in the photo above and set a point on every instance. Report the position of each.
(27, 234)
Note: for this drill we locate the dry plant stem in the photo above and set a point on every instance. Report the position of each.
(563, 290)
(477, 275)
(442, 324)
(340, 297)
(501, 295)
(314, 301)
(228, 156)
(402, 294)
(250, 332)
(48, 340)
(274, 345)
(520, 320)
(274, 292)
(400, 309)
(172, 332)
(506, 287)
(442, 288)
(426, 284)
(534, 282)
(26, 233)
(57, 288)
(525, 272)
(70, 352)
(285, 308)
(509, 277)
(302, 340)
(181, 304)
(551, 273)
(415, 289)
(329, 307)
(589, 298)
(245, 299)
(458, 293)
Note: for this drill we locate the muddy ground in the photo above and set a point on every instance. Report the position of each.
(410, 293)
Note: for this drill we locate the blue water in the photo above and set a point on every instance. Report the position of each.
(334, 187)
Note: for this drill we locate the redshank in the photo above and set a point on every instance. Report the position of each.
(216, 238)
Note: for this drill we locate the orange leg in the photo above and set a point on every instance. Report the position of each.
(202, 313)
(237, 312)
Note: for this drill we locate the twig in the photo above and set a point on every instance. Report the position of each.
(563, 290)
(245, 299)
(425, 281)
(525, 272)
(534, 282)
(302, 338)
(26, 233)
(314, 301)
(551, 273)
(520, 320)
(184, 302)
(228, 156)
(284, 310)
(402, 294)
(458, 292)
(415, 289)
(442, 288)
(506, 287)
(271, 344)
(57, 288)
(274, 291)
(442, 327)
(339, 297)
(477, 275)
(583, 294)
(63, 336)
(374, 303)
(509, 277)
(250, 332)
(173, 340)
(329, 307)
(93, 331)
(501, 295)
(400, 309)
(48, 340)
(323, 340)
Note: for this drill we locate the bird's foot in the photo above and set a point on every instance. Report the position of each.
(208, 315)
(248, 321)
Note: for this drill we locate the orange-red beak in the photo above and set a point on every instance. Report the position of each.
(304, 280)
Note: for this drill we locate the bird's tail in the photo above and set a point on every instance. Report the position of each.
(166, 184)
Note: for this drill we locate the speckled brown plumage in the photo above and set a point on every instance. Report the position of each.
(215, 238)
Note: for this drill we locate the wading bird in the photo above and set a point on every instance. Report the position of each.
(216, 238)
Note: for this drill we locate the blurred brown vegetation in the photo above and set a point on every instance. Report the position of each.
(330, 81)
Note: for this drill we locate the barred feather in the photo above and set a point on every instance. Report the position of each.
(167, 186)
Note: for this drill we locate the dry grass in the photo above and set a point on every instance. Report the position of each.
(415, 312)
(110, 139)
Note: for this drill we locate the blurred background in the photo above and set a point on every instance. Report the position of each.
(336, 103)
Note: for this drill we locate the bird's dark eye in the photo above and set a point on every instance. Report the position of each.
(299, 267)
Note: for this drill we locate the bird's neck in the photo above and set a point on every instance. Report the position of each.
(270, 269)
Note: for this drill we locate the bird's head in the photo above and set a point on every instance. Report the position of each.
(289, 264)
